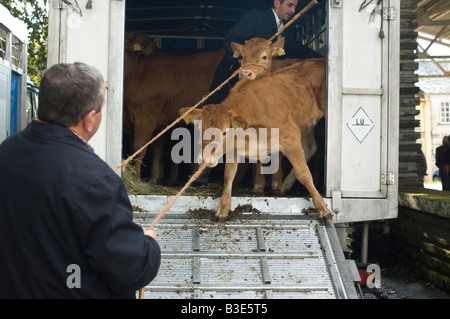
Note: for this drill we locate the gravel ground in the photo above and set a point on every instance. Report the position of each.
(397, 288)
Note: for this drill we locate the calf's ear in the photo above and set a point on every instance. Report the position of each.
(193, 115)
(277, 48)
(237, 49)
(239, 122)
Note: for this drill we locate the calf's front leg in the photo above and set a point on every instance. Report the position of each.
(225, 200)
(259, 181)
(296, 156)
(309, 146)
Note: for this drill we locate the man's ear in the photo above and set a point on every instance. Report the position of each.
(276, 4)
(277, 48)
(237, 49)
(88, 121)
(195, 114)
(239, 122)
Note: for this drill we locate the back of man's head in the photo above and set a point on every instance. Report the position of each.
(68, 92)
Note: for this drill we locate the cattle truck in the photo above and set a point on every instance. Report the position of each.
(16, 91)
(281, 252)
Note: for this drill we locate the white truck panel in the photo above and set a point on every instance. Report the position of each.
(94, 37)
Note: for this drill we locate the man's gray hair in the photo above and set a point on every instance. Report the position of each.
(272, 3)
(68, 92)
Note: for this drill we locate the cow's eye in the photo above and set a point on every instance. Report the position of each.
(264, 57)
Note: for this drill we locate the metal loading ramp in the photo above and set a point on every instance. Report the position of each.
(255, 256)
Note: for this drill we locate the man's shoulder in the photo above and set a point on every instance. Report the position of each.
(257, 13)
(443, 148)
(447, 154)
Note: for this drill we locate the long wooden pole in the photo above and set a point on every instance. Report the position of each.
(168, 206)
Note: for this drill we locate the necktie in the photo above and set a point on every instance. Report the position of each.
(279, 26)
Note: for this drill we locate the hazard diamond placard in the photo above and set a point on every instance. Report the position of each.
(360, 125)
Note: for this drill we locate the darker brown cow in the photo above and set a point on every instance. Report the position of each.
(291, 99)
(140, 43)
(155, 88)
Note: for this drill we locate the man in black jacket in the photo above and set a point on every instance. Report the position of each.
(440, 153)
(446, 170)
(66, 228)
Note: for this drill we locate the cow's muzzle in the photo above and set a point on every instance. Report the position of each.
(247, 74)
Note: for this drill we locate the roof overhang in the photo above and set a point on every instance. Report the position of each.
(433, 25)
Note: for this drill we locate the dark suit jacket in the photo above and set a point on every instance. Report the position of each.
(440, 153)
(61, 205)
(253, 24)
(262, 24)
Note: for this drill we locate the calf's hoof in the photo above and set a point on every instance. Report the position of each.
(220, 219)
(282, 190)
(258, 191)
(325, 218)
(221, 214)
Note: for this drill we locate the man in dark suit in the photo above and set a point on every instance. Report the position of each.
(440, 153)
(258, 24)
(444, 161)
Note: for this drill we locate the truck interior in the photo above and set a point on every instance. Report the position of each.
(185, 27)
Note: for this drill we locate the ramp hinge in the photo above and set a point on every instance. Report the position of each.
(336, 201)
(387, 178)
(336, 3)
(389, 13)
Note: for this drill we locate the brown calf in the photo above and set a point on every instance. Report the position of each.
(291, 99)
(256, 58)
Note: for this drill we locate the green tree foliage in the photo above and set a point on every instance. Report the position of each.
(34, 14)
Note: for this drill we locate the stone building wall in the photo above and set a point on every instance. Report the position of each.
(408, 147)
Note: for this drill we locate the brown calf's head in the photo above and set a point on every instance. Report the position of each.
(256, 56)
(215, 119)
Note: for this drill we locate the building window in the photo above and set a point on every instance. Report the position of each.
(445, 112)
(17, 52)
(2, 43)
